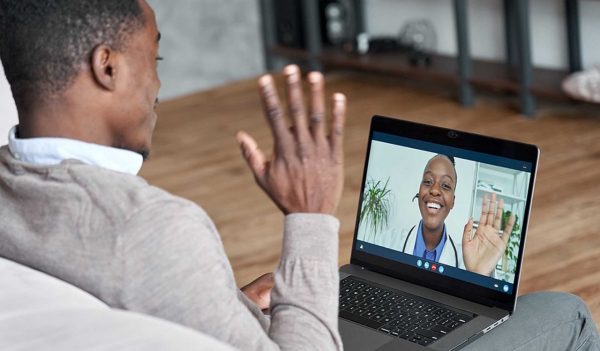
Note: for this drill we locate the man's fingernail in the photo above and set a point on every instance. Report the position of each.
(339, 97)
(291, 69)
(265, 80)
(315, 77)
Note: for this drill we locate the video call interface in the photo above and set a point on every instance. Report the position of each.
(422, 205)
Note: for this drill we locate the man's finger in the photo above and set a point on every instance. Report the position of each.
(274, 112)
(317, 105)
(485, 208)
(337, 127)
(296, 101)
(254, 157)
(467, 232)
(508, 229)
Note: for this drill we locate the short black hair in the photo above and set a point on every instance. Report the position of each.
(45, 42)
(451, 158)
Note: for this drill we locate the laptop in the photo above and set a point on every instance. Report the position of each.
(419, 276)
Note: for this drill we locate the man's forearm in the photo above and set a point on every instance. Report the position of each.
(304, 303)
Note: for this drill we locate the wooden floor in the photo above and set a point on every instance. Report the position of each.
(195, 156)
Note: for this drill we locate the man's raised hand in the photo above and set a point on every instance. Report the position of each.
(306, 171)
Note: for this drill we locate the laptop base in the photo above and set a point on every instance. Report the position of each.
(359, 337)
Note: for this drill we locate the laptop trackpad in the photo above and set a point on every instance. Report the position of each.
(357, 337)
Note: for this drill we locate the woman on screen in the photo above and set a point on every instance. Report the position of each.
(429, 240)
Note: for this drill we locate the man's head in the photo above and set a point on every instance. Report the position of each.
(84, 69)
(436, 192)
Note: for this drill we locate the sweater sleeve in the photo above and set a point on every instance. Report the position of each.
(175, 267)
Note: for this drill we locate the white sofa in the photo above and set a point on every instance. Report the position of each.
(39, 312)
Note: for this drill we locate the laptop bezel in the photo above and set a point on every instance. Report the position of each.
(464, 140)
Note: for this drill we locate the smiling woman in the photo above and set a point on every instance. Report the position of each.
(436, 199)
(407, 178)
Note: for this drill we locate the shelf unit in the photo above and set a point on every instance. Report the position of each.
(512, 182)
(516, 75)
(486, 74)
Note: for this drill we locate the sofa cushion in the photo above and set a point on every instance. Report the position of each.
(24, 290)
(39, 312)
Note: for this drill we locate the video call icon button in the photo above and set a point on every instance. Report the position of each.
(426, 265)
(419, 263)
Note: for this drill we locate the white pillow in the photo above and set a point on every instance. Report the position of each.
(24, 291)
(40, 312)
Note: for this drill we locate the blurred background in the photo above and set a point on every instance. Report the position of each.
(208, 43)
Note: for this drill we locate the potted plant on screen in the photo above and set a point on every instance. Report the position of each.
(376, 206)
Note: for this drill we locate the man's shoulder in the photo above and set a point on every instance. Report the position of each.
(129, 193)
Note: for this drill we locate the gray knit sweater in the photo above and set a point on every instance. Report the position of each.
(139, 248)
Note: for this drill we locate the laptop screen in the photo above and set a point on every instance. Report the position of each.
(436, 207)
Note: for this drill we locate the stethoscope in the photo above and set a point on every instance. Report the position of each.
(450, 238)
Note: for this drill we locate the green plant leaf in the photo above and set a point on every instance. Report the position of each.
(376, 206)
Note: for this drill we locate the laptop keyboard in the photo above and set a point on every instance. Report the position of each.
(397, 313)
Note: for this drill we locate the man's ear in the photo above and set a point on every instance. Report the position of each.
(104, 66)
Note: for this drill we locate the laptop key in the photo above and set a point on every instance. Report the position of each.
(426, 325)
(368, 314)
(452, 325)
(416, 339)
(461, 318)
(440, 329)
(359, 311)
(385, 320)
(360, 320)
(406, 335)
(385, 330)
(425, 341)
(429, 333)
(351, 308)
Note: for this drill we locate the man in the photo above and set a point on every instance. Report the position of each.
(83, 74)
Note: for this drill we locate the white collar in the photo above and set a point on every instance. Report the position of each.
(52, 151)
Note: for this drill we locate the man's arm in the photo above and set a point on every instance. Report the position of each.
(175, 267)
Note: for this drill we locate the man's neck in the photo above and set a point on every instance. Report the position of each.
(61, 120)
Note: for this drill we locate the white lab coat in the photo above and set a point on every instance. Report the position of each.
(396, 239)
